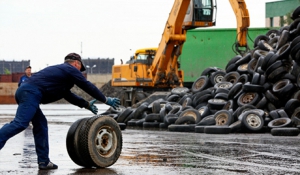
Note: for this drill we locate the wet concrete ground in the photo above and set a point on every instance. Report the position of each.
(155, 152)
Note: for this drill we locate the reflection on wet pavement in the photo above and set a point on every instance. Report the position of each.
(159, 152)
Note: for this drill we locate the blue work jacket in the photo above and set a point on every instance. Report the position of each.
(55, 83)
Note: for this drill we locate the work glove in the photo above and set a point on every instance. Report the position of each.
(92, 107)
(113, 102)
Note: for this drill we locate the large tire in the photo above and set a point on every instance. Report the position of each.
(100, 141)
(72, 142)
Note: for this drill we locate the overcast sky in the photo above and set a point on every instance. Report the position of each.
(46, 31)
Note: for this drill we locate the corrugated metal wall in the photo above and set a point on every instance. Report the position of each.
(98, 65)
(13, 66)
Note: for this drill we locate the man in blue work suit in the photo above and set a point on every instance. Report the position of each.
(46, 86)
(26, 76)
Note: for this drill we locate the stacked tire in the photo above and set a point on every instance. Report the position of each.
(250, 94)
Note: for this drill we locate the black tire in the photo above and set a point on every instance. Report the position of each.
(262, 103)
(252, 121)
(231, 67)
(231, 77)
(255, 78)
(181, 128)
(223, 117)
(170, 119)
(284, 37)
(203, 111)
(253, 88)
(280, 122)
(272, 98)
(282, 113)
(266, 61)
(217, 77)
(291, 105)
(156, 107)
(200, 84)
(233, 60)
(236, 126)
(274, 114)
(216, 104)
(187, 102)
(244, 59)
(173, 98)
(180, 91)
(122, 116)
(122, 126)
(224, 85)
(185, 120)
(285, 131)
(72, 142)
(217, 130)
(263, 45)
(193, 113)
(243, 69)
(132, 122)
(243, 78)
(204, 98)
(208, 120)
(208, 71)
(138, 113)
(284, 51)
(250, 98)
(223, 96)
(251, 66)
(230, 105)
(199, 129)
(242, 109)
(235, 88)
(100, 153)
(153, 117)
(151, 124)
(259, 38)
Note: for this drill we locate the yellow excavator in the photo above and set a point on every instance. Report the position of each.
(157, 69)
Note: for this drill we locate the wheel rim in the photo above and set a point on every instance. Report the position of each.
(248, 97)
(199, 84)
(221, 119)
(106, 141)
(224, 85)
(218, 78)
(253, 120)
(244, 66)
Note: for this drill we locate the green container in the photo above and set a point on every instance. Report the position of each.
(205, 48)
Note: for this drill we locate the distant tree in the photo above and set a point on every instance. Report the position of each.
(6, 71)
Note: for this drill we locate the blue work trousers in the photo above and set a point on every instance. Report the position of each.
(28, 98)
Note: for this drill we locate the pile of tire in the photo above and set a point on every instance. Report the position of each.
(255, 92)
(94, 141)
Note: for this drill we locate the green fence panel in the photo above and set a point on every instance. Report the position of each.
(210, 48)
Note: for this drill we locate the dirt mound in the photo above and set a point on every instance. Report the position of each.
(111, 91)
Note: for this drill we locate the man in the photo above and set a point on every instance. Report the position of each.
(26, 76)
(46, 86)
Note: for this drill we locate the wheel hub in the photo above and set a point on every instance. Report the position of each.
(104, 141)
(253, 120)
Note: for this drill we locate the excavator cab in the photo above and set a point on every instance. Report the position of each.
(200, 13)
